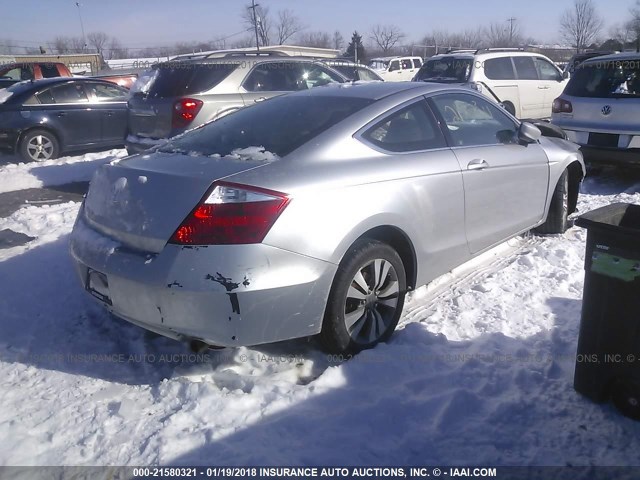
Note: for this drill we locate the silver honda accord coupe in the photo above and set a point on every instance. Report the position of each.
(315, 212)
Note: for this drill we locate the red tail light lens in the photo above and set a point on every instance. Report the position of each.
(560, 105)
(184, 111)
(231, 215)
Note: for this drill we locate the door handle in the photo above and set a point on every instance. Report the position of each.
(61, 114)
(109, 114)
(477, 164)
(261, 99)
(543, 87)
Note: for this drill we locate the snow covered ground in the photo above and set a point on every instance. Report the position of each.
(480, 371)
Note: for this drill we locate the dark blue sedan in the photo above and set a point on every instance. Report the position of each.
(44, 118)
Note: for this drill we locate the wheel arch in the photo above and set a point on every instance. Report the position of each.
(576, 175)
(399, 241)
(46, 128)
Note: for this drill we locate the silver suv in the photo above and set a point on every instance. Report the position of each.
(186, 92)
(599, 109)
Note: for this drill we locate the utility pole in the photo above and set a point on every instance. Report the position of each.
(253, 7)
(84, 42)
(511, 21)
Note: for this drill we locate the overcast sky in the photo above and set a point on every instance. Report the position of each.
(150, 23)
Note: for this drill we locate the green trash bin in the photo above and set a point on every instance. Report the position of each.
(608, 357)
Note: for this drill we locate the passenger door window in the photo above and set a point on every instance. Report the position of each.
(49, 70)
(394, 66)
(546, 71)
(107, 93)
(411, 129)
(525, 68)
(473, 121)
(406, 64)
(499, 69)
(417, 63)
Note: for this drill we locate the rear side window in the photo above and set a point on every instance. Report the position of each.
(45, 97)
(395, 65)
(279, 125)
(49, 70)
(177, 78)
(406, 64)
(69, 93)
(499, 69)
(525, 68)
(411, 129)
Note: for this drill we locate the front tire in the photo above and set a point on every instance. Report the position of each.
(39, 145)
(557, 219)
(366, 298)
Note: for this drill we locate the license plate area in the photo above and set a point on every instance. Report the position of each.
(98, 286)
(604, 140)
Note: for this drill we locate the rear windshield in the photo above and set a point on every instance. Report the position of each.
(606, 79)
(445, 70)
(182, 78)
(280, 125)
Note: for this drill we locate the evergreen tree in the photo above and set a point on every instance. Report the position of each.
(356, 46)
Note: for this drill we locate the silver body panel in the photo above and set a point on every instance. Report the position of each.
(341, 187)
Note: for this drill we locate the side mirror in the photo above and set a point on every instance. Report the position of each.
(565, 75)
(528, 133)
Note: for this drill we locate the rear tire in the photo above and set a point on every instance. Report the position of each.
(557, 219)
(625, 395)
(366, 298)
(39, 145)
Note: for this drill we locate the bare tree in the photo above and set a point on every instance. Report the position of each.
(337, 40)
(77, 45)
(116, 50)
(315, 39)
(581, 24)
(244, 42)
(288, 25)
(262, 20)
(98, 40)
(386, 37)
(505, 34)
(61, 45)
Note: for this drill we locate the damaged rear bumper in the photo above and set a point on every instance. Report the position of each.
(226, 295)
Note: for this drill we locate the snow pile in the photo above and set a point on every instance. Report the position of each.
(19, 176)
(258, 154)
(479, 372)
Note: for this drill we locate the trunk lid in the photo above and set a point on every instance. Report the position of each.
(607, 115)
(141, 201)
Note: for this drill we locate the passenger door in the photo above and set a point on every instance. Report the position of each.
(69, 111)
(552, 80)
(532, 89)
(111, 102)
(505, 183)
(501, 80)
(422, 183)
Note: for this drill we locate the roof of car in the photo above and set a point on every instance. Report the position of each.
(614, 56)
(248, 60)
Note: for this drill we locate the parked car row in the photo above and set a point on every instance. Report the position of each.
(42, 119)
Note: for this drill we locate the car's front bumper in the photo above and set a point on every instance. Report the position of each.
(8, 139)
(226, 295)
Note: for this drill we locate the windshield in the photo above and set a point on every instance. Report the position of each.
(279, 125)
(606, 79)
(446, 70)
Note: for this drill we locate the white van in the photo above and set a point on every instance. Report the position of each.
(396, 69)
(526, 83)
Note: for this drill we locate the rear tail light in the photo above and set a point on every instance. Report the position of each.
(560, 105)
(184, 111)
(231, 215)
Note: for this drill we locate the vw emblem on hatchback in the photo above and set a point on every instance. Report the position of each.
(606, 110)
